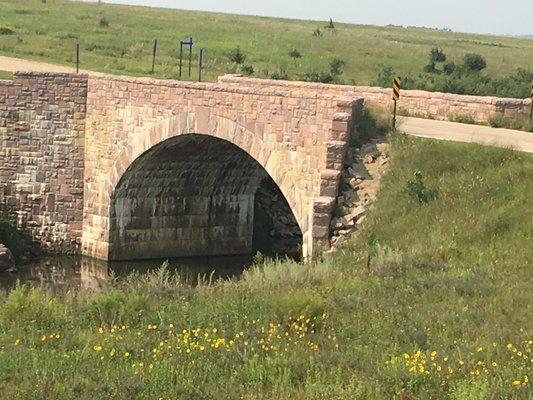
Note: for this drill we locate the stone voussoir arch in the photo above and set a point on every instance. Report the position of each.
(205, 122)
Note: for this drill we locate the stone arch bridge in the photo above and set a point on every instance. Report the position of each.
(123, 168)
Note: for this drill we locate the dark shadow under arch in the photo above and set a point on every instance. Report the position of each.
(197, 195)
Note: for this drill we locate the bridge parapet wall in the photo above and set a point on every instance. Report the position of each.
(417, 102)
(42, 124)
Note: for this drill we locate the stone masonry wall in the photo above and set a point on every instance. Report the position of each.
(42, 125)
(298, 136)
(434, 104)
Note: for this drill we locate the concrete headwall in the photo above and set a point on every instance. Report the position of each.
(42, 126)
(433, 104)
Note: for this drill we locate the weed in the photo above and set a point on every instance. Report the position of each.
(237, 56)
(417, 189)
(461, 118)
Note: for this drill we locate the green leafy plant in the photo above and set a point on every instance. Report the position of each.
(237, 56)
(462, 118)
(417, 189)
(104, 23)
(279, 74)
(336, 65)
(474, 62)
(294, 53)
(6, 30)
(247, 69)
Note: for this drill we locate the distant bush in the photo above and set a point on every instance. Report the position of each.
(295, 54)
(24, 11)
(317, 32)
(331, 25)
(318, 76)
(104, 23)
(6, 30)
(437, 55)
(237, 56)
(474, 62)
(280, 74)
(449, 68)
(247, 70)
(336, 65)
(465, 78)
(384, 77)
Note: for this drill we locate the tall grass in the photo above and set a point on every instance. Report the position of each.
(431, 300)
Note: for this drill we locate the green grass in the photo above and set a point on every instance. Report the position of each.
(48, 31)
(6, 75)
(447, 290)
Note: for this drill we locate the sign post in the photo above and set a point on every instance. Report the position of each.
(200, 63)
(190, 55)
(396, 87)
(78, 58)
(531, 97)
(181, 55)
(188, 42)
(153, 55)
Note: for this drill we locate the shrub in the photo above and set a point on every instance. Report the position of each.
(104, 23)
(331, 25)
(237, 56)
(437, 55)
(417, 189)
(384, 77)
(474, 62)
(449, 68)
(522, 123)
(318, 76)
(6, 30)
(430, 68)
(30, 308)
(317, 32)
(335, 66)
(295, 54)
(280, 74)
(247, 70)
(372, 123)
(461, 118)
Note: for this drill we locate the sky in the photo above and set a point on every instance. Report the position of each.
(476, 16)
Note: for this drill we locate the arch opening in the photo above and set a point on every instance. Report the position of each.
(198, 195)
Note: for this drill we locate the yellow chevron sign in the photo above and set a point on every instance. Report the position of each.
(396, 86)
(531, 92)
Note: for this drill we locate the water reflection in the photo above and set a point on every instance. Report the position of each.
(61, 273)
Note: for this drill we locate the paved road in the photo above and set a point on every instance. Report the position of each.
(444, 130)
(441, 130)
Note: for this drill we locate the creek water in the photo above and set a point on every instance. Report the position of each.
(61, 273)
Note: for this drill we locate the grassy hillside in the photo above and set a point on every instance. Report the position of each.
(118, 39)
(442, 310)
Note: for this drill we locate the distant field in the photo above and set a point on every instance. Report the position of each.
(118, 39)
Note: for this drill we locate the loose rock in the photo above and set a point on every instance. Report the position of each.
(7, 261)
